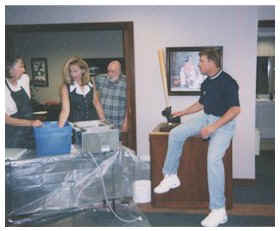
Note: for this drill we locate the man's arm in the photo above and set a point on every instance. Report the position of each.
(125, 125)
(96, 102)
(196, 107)
(228, 116)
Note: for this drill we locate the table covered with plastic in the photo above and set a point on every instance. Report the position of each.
(70, 189)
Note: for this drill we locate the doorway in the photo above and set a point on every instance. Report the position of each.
(126, 29)
(265, 85)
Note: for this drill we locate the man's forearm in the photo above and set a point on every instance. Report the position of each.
(228, 116)
(196, 107)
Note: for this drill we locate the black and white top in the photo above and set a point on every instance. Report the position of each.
(81, 103)
(10, 105)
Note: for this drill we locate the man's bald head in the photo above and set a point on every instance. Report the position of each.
(114, 70)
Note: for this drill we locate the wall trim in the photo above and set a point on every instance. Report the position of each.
(243, 181)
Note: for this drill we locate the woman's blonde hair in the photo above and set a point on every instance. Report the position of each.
(76, 60)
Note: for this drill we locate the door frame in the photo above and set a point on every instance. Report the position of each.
(128, 52)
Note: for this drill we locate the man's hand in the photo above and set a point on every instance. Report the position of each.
(207, 131)
(228, 116)
(124, 126)
(177, 113)
(196, 107)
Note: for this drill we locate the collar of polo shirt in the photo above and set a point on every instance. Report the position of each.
(215, 76)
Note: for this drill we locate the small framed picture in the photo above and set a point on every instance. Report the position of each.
(183, 73)
(39, 69)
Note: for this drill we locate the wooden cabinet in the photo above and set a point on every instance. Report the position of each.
(193, 192)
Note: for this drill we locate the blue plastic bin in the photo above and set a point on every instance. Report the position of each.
(51, 139)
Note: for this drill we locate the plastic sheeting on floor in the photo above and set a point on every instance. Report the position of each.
(40, 190)
(94, 217)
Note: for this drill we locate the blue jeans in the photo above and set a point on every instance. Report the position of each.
(218, 144)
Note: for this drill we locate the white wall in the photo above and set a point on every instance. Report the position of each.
(233, 27)
(266, 13)
(58, 46)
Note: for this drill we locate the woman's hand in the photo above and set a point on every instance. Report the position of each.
(60, 124)
(36, 123)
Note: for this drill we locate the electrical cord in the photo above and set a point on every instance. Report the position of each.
(139, 218)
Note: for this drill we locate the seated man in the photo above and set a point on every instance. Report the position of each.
(220, 101)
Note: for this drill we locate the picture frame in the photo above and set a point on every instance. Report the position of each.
(183, 73)
(39, 70)
(99, 65)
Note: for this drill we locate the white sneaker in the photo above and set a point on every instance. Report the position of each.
(215, 218)
(168, 182)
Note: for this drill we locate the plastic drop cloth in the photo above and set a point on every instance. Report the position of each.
(67, 190)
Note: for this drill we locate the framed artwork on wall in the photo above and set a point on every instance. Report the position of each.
(183, 73)
(39, 69)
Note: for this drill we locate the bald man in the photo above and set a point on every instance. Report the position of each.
(112, 93)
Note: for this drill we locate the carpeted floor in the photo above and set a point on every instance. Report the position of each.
(90, 218)
(187, 220)
(262, 191)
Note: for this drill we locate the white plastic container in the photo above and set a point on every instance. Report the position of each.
(142, 191)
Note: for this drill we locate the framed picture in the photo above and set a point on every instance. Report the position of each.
(183, 73)
(39, 69)
(99, 65)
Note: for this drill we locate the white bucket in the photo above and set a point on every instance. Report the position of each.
(142, 191)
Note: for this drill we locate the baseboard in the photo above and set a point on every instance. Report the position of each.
(243, 181)
(237, 209)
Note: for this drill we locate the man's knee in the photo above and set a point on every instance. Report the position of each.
(178, 134)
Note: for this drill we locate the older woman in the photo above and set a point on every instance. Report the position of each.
(79, 97)
(18, 110)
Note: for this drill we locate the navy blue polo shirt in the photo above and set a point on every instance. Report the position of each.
(219, 93)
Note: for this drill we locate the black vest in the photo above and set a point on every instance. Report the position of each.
(19, 136)
(81, 107)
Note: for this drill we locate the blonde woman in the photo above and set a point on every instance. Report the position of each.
(79, 97)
